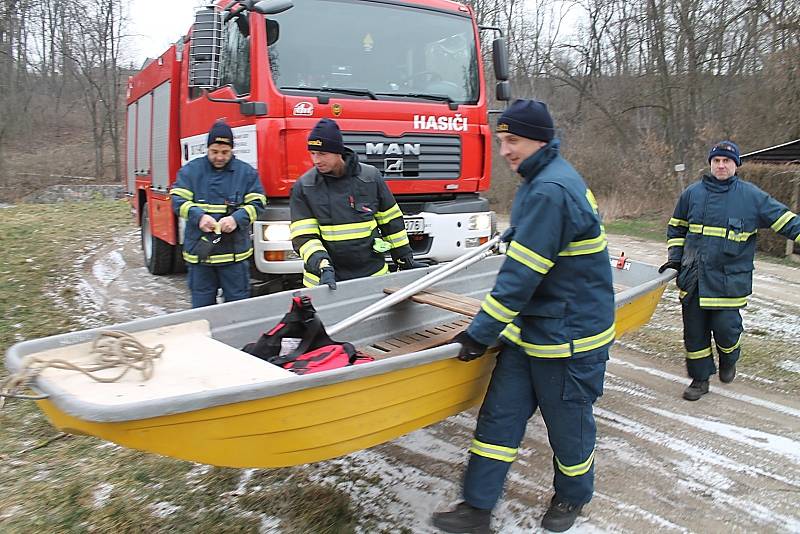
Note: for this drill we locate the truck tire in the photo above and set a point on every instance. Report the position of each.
(157, 253)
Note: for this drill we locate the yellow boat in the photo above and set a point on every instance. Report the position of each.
(209, 402)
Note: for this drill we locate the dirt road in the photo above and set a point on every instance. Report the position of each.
(727, 463)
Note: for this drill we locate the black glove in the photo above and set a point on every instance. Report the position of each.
(671, 264)
(328, 277)
(205, 245)
(408, 262)
(470, 349)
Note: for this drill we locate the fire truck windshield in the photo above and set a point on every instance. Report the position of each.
(368, 49)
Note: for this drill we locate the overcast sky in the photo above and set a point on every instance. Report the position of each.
(155, 24)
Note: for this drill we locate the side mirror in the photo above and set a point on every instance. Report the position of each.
(500, 59)
(272, 7)
(503, 91)
(206, 46)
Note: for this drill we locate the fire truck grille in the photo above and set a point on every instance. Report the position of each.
(409, 157)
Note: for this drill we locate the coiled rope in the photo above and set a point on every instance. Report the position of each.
(114, 350)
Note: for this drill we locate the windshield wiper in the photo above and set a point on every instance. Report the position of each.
(427, 96)
(342, 90)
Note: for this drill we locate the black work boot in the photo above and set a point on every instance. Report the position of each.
(727, 373)
(561, 515)
(696, 389)
(464, 518)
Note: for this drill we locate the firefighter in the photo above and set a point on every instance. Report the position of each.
(344, 218)
(711, 241)
(219, 196)
(552, 307)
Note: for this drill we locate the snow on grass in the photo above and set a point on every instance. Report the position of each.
(791, 366)
(749, 437)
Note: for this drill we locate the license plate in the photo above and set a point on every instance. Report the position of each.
(415, 226)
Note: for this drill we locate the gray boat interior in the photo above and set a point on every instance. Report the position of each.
(239, 323)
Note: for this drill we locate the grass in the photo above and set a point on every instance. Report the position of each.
(643, 227)
(81, 484)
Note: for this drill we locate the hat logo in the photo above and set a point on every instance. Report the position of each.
(337, 109)
(502, 127)
(315, 142)
(222, 139)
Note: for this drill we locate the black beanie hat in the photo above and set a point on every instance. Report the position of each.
(220, 133)
(725, 149)
(326, 137)
(527, 118)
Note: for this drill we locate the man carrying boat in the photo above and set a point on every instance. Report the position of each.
(344, 218)
(220, 197)
(552, 307)
(711, 240)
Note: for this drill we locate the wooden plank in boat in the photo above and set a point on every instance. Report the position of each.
(446, 300)
(415, 340)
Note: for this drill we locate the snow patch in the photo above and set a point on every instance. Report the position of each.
(789, 365)
(163, 509)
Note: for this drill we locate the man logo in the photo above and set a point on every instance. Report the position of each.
(394, 149)
(394, 165)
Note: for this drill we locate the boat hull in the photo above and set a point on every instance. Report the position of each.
(340, 411)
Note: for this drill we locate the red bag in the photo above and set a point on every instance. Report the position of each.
(299, 343)
(325, 358)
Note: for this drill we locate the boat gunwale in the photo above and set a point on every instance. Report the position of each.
(185, 403)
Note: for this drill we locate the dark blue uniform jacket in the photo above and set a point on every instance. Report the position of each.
(553, 296)
(233, 190)
(712, 233)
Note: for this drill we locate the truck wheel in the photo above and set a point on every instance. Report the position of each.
(157, 253)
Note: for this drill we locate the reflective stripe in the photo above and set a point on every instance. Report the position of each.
(596, 341)
(697, 354)
(576, 470)
(512, 333)
(345, 232)
(383, 217)
(183, 212)
(310, 279)
(728, 350)
(251, 212)
(716, 231)
(181, 192)
(304, 227)
(250, 197)
(678, 222)
(586, 246)
(782, 220)
(529, 258)
(499, 312)
(723, 302)
(310, 247)
(495, 452)
(676, 242)
(213, 208)
(219, 258)
(397, 240)
(797, 239)
(741, 236)
(682, 293)
(383, 270)
(592, 200)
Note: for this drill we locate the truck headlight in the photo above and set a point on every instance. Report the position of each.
(480, 222)
(276, 232)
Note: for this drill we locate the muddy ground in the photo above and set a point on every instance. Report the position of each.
(727, 463)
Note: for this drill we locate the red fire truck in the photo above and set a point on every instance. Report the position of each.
(403, 78)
